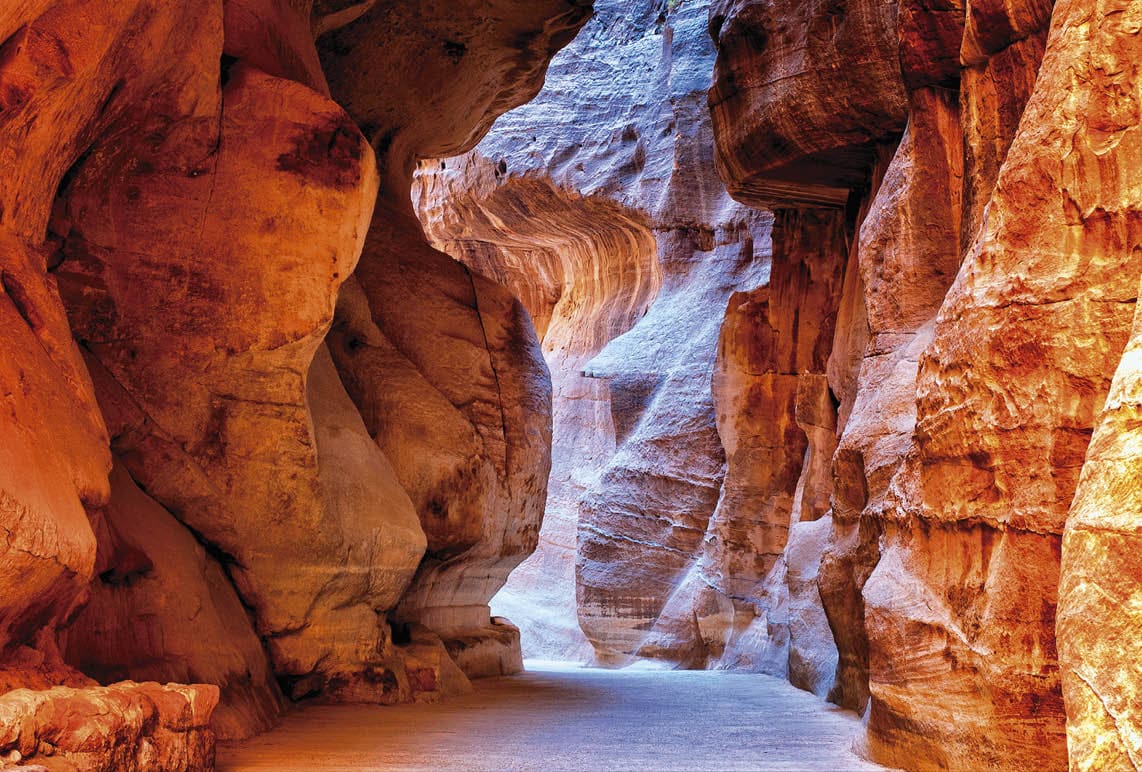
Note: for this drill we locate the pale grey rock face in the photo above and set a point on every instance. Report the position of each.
(598, 204)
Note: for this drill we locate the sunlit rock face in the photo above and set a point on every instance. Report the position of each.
(1085, 111)
(414, 326)
(244, 499)
(871, 426)
(989, 294)
(125, 726)
(597, 204)
(1100, 620)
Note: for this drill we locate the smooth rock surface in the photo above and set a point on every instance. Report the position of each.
(443, 364)
(559, 718)
(177, 177)
(161, 598)
(597, 205)
(285, 444)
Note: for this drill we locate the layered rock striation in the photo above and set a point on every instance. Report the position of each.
(831, 358)
(194, 195)
(988, 295)
(596, 203)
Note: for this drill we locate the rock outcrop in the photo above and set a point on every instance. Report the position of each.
(415, 327)
(288, 329)
(1099, 222)
(188, 189)
(124, 727)
(597, 205)
(989, 294)
(161, 597)
(1100, 624)
(759, 608)
(904, 406)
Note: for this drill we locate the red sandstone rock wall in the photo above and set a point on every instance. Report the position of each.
(187, 191)
(257, 433)
(991, 282)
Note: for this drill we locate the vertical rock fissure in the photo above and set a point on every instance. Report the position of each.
(492, 365)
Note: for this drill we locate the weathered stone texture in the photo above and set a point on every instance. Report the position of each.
(987, 302)
(177, 177)
(597, 205)
(125, 727)
(802, 93)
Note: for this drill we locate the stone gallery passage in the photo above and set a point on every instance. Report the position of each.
(771, 365)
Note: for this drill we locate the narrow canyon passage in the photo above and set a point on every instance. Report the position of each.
(781, 356)
(559, 717)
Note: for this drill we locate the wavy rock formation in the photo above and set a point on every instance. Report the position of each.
(802, 93)
(596, 204)
(862, 413)
(187, 189)
(415, 327)
(585, 269)
(988, 297)
(1100, 617)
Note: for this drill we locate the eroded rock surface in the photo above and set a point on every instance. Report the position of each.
(597, 205)
(257, 432)
(124, 727)
(475, 454)
(802, 93)
(181, 205)
(1100, 590)
(161, 597)
(989, 294)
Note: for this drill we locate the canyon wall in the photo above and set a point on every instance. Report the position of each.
(979, 155)
(904, 400)
(840, 360)
(258, 435)
(597, 205)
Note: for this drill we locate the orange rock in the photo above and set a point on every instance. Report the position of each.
(1100, 623)
(802, 92)
(125, 727)
(417, 328)
(162, 609)
(201, 218)
(53, 454)
(1098, 146)
(228, 438)
(1006, 402)
(966, 406)
(768, 387)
